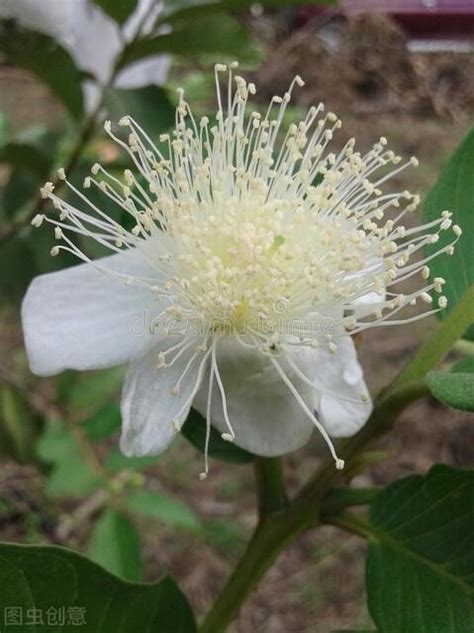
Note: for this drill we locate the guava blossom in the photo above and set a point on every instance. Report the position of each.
(250, 258)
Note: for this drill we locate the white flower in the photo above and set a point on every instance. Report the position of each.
(93, 39)
(237, 288)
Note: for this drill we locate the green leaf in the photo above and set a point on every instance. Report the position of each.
(464, 366)
(224, 534)
(217, 34)
(452, 389)
(420, 567)
(45, 577)
(26, 156)
(103, 423)
(20, 190)
(17, 268)
(194, 430)
(43, 56)
(71, 477)
(95, 388)
(5, 128)
(19, 426)
(29, 155)
(162, 508)
(119, 10)
(150, 106)
(117, 461)
(69, 474)
(114, 544)
(454, 190)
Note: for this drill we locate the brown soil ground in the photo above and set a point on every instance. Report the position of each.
(316, 586)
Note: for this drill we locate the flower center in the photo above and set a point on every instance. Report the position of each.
(250, 265)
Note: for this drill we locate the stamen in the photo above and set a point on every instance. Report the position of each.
(339, 462)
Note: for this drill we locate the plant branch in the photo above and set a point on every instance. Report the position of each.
(271, 535)
(339, 499)
(351, 523)
(89, 507)
(270, 483)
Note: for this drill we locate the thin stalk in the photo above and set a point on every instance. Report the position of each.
(352, 524)
(270, 483)
(339, 499)
(269, 538)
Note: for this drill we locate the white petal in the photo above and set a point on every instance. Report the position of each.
(83, 318)
(49, 16)
(363, 306)
(152, 70)
(265, 416)
(148, 404)
(95, 40)
(343, 405)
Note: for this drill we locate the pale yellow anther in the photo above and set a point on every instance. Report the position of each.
(38, 220)
(47, 190)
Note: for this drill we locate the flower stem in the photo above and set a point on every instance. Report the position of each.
(352, 524)
(269, 538)
(340, 498)
(270, 483)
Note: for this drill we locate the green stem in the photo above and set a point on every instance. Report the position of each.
(352, 524)
(269, 538)
(340, 498)
(270, 483)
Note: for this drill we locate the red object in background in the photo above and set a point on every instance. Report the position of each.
(421, 19)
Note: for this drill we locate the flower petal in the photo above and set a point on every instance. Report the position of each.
(49, 16)
(83, 318)
(148, 404)
(344, 403)
(366, 305)
(265, 416)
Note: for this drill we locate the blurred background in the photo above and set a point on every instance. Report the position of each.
(403, 69)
